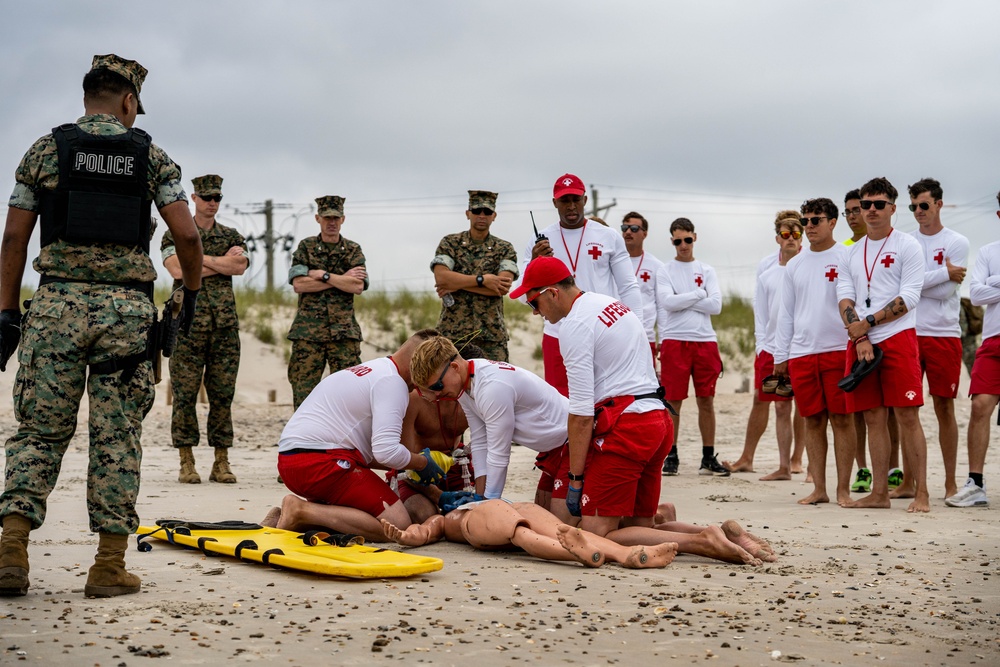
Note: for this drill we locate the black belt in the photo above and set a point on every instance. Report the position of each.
(301, 450)
(658, 395)
(146, 287)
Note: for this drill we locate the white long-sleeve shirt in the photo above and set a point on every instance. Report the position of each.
(766, 305)
(808, 317)
(598, 260)
(646, 267)
(687, 295)
(937, 314)
(606, 353)
(358, 408)
(505, 404)
(896, 270)
(984, 287)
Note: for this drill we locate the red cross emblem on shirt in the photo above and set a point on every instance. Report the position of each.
(939, 257)
(887, 260)
(831, 275)
(645, 276)
(594, 252)
(698, 281)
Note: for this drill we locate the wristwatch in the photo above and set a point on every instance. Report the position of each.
(871, 321)
(326, 277)
(479, 280)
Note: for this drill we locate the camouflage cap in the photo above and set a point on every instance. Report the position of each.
(130, 69)
(482, 199)
(209, 184)
(330, 205)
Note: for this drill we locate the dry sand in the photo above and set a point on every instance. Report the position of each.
(850, 586)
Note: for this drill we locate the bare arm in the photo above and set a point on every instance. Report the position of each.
(14, 255)
(178, 218)
(233, 263)
(446, 280)
(351, 281)
(581, 430)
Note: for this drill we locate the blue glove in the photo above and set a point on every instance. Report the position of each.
(432, 473)
(573, 500)
(452, 500)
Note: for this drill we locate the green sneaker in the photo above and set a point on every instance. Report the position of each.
(895, 478)
(863, 481)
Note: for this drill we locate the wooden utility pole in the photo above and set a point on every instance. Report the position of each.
(268, 237)
(595, 211)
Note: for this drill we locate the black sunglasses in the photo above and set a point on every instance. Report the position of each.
(923, 206)
(687, 239)
(210, 197)
(439, 385)
(631, 228)
(480, 211)
(879, 204)
(813, 221)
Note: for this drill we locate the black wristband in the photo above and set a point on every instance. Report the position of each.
(575, 478)
(479, 280)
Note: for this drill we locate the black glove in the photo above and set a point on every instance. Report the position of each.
(188, 308)
(10, 334)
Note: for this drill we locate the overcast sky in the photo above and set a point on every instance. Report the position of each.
(723, 112)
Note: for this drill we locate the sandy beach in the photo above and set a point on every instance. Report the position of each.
(849, 587)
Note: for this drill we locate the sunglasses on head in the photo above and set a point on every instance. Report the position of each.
(814, 220)
(631, 228)
(480, 211)
(534, 302)
(687, 239)
(787, 234)
(879, 204)
(210, 197)
(923, 206)
(439, 385)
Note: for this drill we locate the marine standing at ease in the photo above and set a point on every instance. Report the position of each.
(90, 318)
(212, 347)
(475, 269)
(327, 272)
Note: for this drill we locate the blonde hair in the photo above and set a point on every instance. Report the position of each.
(790, 219)
(428, 359)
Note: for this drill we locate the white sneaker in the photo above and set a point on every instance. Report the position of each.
(969, 495)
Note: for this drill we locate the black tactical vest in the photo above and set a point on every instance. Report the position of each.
(101, 196)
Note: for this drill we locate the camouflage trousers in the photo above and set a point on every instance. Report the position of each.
(214, 355)
(70, 326)
(309, 360)
(495, 350)
(969, 346)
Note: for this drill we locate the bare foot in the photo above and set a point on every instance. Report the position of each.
(738, 466)
(843, 497)
(950, 489)
(286, 515)
(416, 535)
(815, 498)
(270, 520)
(666, 513)
(713, 543)
(757, 547)
(904, 490)
(921, 503)
(797, 468)
(777, 475)
(640, 557)
(576, 542)
(871, 501)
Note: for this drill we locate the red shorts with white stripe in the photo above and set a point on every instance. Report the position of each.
(552, 363)
(336, 477)
(941, 361)
(986, 369)
(814, 380)
(623, 468)
(682, 360)
(897, 382)
(763, 365)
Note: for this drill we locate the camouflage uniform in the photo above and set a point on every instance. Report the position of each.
(324, 330)
(70, 326)
(211, 348)
(474, 313)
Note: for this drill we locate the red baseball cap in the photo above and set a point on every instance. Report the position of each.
(568, 184)
(541, 272)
